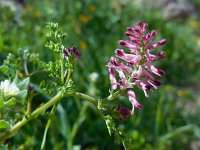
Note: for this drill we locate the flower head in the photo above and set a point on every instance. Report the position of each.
(71, 52)
(124, 112)
(135, 68)
(9, 89)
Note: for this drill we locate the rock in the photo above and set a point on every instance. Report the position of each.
(178, 9)
(160, 3)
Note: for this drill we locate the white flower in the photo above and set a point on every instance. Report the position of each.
(9, 89)
(93, 76)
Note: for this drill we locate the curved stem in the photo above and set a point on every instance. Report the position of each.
(87, 98)
(79, 121)
(50, 103)
(62, 68)
(68, 76)
(25, 68)
(48, 125)
(112, 96)
(29, 106)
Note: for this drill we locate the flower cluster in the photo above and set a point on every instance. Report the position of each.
(9, 89)
(71, 52)
(136, 69)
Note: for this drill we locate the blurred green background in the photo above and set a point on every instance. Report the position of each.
(170, 119)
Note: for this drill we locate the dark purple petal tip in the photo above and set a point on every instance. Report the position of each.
(122, 43)
(156, 82)
(161, 72)
(148, 86)
(161, 54)
(72, 51)
(162, 42)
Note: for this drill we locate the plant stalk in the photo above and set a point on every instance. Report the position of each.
(34, 114)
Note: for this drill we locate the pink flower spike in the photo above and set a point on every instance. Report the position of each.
(134, 102)
(135, 68)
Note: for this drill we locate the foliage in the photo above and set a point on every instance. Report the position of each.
(95, 27)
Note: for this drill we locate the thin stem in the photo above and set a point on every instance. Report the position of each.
(68, 76)
(87, 98)
(95, 100)
(34, 114)
(62, 68)
(114, 95)
(176, 132)
(48, 125)
(158, 117)
(79, 121)
(50, 103)
(25, 68)
(29, 107)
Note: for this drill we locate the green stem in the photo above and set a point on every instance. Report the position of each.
(79, 121)
(114, 95)
(68, 76)
(29, 107)
(176, 132)
(62, 68)
(34, 114)
(87, 98)
(50, 103)
(25, 68)
(159, 115)
(48, 125)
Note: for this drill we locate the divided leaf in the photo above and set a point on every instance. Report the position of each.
(4, 124)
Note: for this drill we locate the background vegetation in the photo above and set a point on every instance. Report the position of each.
(170, 118)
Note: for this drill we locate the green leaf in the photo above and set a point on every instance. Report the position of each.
(4, 69)
(1, 103)
(4, 124)
(22, 94)
(23, 85)
(10, 102)
(4, 146)
(16, 79)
